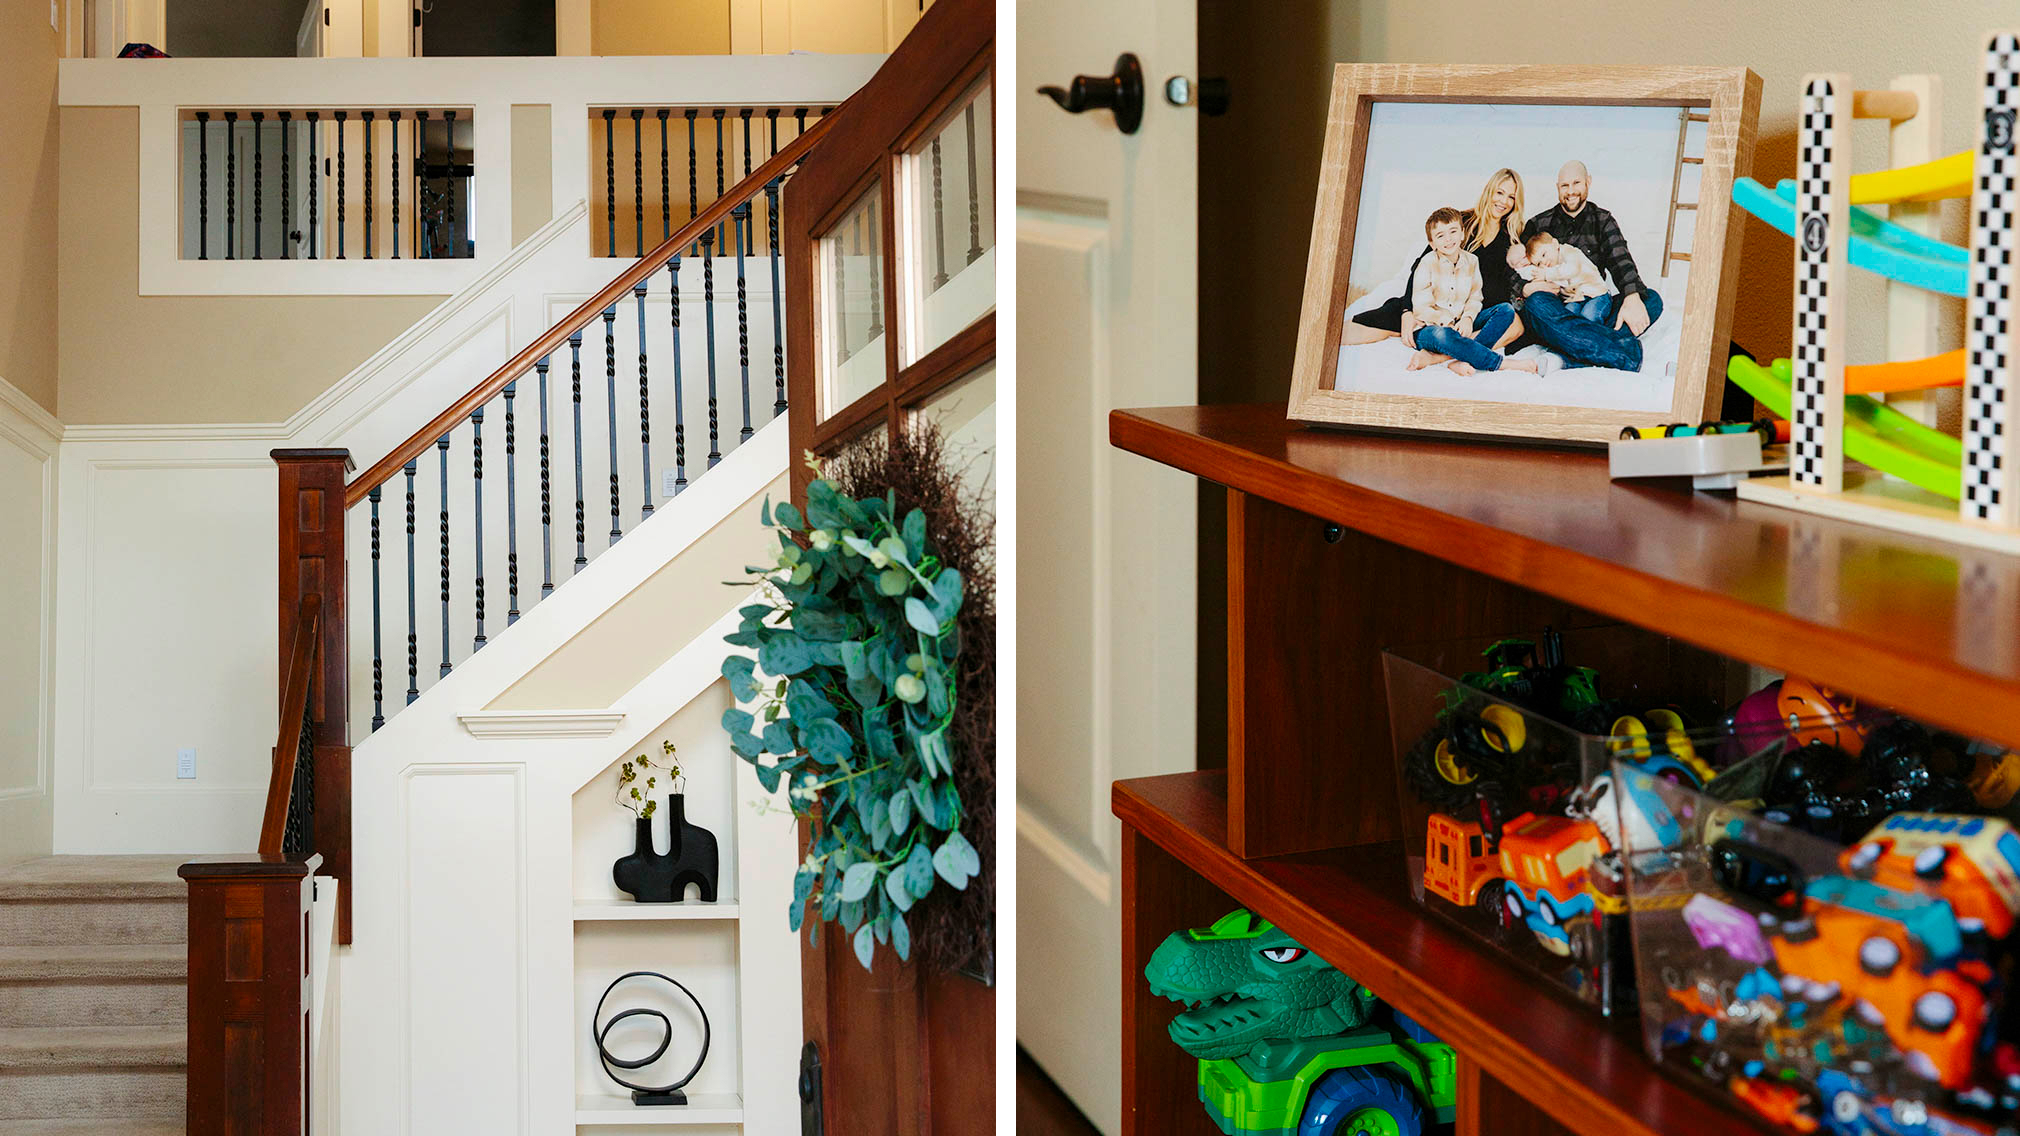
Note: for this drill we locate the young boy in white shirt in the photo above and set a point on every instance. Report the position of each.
(1450, 327)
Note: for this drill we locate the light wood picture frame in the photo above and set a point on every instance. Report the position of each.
(1728, 98)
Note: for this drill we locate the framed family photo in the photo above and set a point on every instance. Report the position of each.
(1541, 252)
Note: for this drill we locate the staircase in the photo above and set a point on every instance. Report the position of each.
(92, 1022)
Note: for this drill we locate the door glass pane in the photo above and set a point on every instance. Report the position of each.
(849, 260)
(950, 224)
(965, 412)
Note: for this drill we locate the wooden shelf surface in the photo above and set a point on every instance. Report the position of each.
(1353, 906)
(1924, 626)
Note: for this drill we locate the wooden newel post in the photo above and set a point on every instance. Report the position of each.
(312, 563)
(248, 996)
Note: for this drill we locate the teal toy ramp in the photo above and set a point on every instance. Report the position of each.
(1877, 245)
(1875, 433)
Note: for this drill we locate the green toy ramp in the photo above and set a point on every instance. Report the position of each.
(1875, 433)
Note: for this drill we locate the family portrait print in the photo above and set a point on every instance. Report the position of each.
(1522, 253)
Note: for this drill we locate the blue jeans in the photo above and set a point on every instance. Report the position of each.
(1597, 309)
(1582, 341)
(1478, 349)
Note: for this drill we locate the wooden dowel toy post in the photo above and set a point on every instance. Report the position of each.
(1913, 313)
(1823, 211)
(1989, 412)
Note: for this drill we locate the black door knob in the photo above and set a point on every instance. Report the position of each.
(1121, 93)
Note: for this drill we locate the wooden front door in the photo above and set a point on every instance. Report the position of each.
(889, 243)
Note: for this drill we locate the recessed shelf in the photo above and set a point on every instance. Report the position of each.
(605, 910)
(701, 1108)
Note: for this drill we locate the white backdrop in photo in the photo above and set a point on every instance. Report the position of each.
(1423, 155)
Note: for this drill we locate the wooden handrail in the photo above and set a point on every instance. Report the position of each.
(287, 745)
(546, 344)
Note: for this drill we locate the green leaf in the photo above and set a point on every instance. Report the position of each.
(865, 945)
(787, 516)
(779, 738)
(893, 582)
(928, 800)
(951, 864)
(784, 655)
(852, 914)
(765, 514)
(795, 915)
(768, 776)
(855, 663)
(803, 885)
(868, 689)
(857, 881)
(939, 700)
(918, 871)
(894, 887)
(826, 740)
(901, 812)
(918, 615)
(805, 703)
(737, 721)
(742, 683)
(915, 534)
(901, 938)
(877, 819)
(883, 744)
(933, 750)
(947, 595)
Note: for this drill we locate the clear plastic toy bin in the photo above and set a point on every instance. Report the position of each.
(1824, 929)
(1504, 751)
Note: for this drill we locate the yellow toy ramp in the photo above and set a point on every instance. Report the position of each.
(1930, 181)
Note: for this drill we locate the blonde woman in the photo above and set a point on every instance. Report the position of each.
(1491, 228)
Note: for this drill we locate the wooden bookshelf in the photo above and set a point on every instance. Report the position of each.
(1341, 544)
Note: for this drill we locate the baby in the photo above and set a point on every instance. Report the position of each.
(1551, 265)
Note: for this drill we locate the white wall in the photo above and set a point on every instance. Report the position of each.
(28, 446)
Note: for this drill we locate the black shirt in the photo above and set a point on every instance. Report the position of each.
(1498, 282)
(1594, 233)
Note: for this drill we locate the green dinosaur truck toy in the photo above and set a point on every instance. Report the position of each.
(1289, 1046)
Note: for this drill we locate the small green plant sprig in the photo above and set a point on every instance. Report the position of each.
(638, 798)
(859, 627)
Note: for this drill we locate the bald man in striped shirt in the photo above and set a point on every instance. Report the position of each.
(1615, 341)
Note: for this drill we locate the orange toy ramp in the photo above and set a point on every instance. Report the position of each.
(1945, 370)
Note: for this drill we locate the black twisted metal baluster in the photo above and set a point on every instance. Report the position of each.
(939, 222)
(720, 186)
(393, 175)
(644, 404)
(638, 179)
(367, 117)
(511, 512)
(231, 184)
(315, 176)
(693, 187)
(203, 185)
(341, 210)
(287, 190)
(800, 117)
(477, 511)
(413, 615)
(665, 188)
(442, 449)
(778, 314)
(298, 830)
(974, 195)
(423, 216)
(708, 317)
(259, 195)
(610, 402)
(378, 650)
(546, 493)
(679, 399)
(740, 221)
(610, 178)
(581, 519)
(455, 244)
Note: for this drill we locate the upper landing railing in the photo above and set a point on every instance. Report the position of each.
(417, 176)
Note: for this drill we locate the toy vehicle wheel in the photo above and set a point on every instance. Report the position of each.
(1492, 902)
(1585, 945)
(1432, 786)
(1363, 1101)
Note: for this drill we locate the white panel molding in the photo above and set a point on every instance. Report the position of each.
(1037, 832)
(540, 723)
(25, 426)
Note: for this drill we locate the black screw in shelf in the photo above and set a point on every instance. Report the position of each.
(1334, 533)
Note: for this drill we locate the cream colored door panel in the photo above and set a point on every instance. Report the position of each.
(1107, 270)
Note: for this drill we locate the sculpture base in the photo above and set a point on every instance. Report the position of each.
(670, 1096)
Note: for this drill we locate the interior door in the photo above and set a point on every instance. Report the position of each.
(1107, 305)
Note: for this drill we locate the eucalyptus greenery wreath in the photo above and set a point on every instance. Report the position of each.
(858, 625)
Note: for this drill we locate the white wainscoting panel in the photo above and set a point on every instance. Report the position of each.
(28, 445)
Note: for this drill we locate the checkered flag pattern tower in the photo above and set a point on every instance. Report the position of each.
(1823, 193)
(1988, 478)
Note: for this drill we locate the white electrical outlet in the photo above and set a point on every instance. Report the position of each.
(185, 764)
(667, 484)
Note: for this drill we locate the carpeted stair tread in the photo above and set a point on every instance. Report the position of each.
(93, 1127)
(92, 1047)
(95, 877)
(139, 960)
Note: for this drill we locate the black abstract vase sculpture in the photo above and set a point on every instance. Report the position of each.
(653, 877)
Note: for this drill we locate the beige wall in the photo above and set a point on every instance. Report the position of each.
(702, 27)
(532, 169)
(29, 49)
(123, 357)
(659, 27)
(27, 500)
(660, 616)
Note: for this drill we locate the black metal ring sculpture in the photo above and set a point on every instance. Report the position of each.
(642, 1094)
